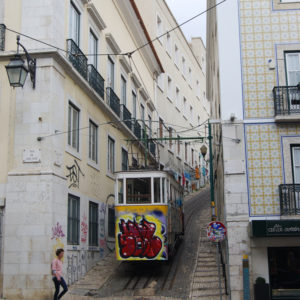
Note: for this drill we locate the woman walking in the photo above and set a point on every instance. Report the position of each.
(57, 275)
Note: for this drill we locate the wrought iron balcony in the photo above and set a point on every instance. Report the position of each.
(113, 100)
(137, 129)
(286, 100)
(289, 199)
(126, 116)
(96, 80)
(2, 37)
(152, 147)
(77, 58)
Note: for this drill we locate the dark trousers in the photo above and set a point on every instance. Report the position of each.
(57, 285)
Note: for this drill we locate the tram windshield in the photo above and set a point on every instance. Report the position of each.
(138, 190)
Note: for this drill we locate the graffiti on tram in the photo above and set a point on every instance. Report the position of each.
(141, 233)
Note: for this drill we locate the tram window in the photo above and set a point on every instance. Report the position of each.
(156, 190)
(138, 190)
(120, 191)
(163, 190)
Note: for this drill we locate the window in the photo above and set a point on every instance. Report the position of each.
(74, 23)
(185, 151)
(170, 86)
(134, 104)
(138, 190)
(184, 106)
(169, 44)
(176, 54)
(124, 160)
(161, 128)
(93, 224)
(192, 152)
(198, 120)
(150, 125)
(111, 222)
(293, 68)
(160, 81)
(73, 126)
(177, 97)
(123, 90)
(143, 114)
(111, 155)
(183, 66)
(178, 144)
(190, 77)
(156, 187)
(296, 163)
(170, 136)
(159, 26)
(191, 114)
(93, 142)
(93, 49)
(110, 73)
(73, 219)
(198, 92)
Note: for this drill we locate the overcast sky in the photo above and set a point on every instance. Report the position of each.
(185, 9)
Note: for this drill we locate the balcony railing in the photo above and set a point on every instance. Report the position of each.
(286, 100)
(77, 58)
(137, 130)
(126, 116)
(96, 81)
(2, 37)
(152, 147)
(289, 199)
(113, 101)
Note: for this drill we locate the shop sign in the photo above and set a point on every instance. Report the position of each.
(273, 228)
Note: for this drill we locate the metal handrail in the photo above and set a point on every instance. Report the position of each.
(2, 37)
(77, 58)
(286, 100)
(126, 116)
(289, 199)
(113, 100)
(96, 81)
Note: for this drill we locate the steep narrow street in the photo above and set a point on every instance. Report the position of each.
(191, 273)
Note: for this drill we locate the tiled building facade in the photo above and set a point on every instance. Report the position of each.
(259, 117)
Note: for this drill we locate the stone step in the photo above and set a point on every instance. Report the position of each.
(206, 293)
(205, 279)
(209, 298)
(206, 273)
(207, 285)
(207, 264)
(206, 258)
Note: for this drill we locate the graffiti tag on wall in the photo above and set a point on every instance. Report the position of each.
(74, 174)
(84, 229)
(57, 234)
(77, 266)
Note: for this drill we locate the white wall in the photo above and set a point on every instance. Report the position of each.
(230, 62)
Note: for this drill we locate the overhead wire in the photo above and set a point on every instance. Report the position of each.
(129, 53)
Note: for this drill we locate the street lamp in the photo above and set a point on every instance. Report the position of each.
(17, 71)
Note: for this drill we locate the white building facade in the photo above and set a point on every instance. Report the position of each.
(87, 118)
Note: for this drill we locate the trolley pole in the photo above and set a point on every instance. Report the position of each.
(211, 174)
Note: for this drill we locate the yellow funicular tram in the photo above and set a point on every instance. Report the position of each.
(149, 214)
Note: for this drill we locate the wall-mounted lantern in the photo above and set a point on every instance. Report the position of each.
(17, 71)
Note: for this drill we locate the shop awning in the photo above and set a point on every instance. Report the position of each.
(275, 228)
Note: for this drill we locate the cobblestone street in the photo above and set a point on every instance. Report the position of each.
(191, 274)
